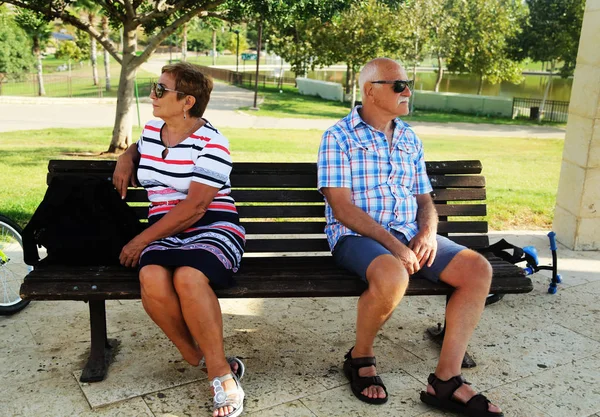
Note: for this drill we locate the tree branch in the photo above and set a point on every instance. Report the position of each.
(129, 10)
(161, 10)
(86, 27)
(164, 33)
(65, 16)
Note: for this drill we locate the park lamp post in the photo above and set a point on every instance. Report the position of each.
(237, 48)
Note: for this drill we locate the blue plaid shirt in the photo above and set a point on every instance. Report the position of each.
(384, 183)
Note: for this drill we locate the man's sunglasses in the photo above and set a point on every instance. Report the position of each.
(398, 85)
(159, 90)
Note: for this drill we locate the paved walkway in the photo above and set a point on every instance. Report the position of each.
(18, 113)
(538, 355)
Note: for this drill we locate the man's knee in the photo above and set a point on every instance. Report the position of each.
(469, 268)
(387, 277)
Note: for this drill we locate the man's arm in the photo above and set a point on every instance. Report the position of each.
(424, 244)
(124, 174)
(351, 216)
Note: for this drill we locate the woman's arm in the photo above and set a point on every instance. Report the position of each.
(124, 174)
(183, 215)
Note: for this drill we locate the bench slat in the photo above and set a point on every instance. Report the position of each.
(272, 168)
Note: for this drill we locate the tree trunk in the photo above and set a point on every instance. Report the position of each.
(106, 32)
(541, 112)
(38, 55)
(480, 88)
(257, 64)
(121, 136)
(347, 78)
(214, 49)
(94, 58)
(353, 101)
(440, 74)
(184, 43)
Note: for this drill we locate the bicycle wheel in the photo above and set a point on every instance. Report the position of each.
(12, 267)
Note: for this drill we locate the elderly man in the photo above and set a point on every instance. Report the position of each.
(382, 225)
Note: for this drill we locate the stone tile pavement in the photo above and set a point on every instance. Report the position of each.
(537, 354)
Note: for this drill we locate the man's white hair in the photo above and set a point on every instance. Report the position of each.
(370, 71)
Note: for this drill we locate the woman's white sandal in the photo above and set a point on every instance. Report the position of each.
(228, 398)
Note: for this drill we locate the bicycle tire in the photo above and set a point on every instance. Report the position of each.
(12, 267)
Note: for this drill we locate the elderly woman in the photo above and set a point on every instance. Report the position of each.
(194, 240)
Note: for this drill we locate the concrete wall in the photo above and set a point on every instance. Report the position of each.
(463, 103)
(323, 89)
(577, 212)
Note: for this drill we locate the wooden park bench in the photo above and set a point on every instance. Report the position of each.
(286, 250)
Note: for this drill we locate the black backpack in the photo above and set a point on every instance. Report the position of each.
(82, 220)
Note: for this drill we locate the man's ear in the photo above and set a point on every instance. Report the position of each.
(367, 90)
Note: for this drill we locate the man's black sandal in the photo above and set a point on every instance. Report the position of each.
(359, 383)
(477, 406)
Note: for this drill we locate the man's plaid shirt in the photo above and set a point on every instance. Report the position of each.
(383, 182)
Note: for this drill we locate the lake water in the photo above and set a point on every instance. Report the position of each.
(532, 86)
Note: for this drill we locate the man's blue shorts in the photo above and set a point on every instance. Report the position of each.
(356, 253)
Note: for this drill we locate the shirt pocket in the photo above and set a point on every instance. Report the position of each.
(365, 164)
(406, 157)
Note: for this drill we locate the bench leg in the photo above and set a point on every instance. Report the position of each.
(101, 351)
(437, 334)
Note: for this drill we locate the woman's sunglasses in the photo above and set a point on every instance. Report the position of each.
(398, 85)
(159, 90)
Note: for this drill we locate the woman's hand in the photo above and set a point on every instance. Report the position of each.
(130, 254)
(124, 174)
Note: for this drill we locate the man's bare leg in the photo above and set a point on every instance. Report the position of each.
(471, 275)
(388, 281)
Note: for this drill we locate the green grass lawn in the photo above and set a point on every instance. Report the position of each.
(522, 174)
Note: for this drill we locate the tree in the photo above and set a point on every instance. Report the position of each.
(551, 34)
(481, 41)
(106, 34)
(39, 31)
(290, 33)
(15, 48)
(90, 11)
(68, 50)
(158, 19)
(365, 31)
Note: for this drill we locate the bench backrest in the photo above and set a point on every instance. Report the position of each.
(280, 199)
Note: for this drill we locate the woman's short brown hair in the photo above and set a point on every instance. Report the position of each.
(190, 80)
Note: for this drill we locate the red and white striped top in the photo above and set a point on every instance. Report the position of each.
(202, 157)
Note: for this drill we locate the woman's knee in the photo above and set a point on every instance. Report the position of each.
(188, 281)
(387, 276)
(155, 283)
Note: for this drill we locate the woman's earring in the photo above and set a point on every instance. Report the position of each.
(184, 115)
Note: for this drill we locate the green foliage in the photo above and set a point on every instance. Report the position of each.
(481, 42)
(15, 48)
(366, 30)
(37, 28)
(231, 43)
(68, 50)
(551, 32)
(83, 42)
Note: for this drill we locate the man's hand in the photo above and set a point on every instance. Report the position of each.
(124, 174)
(407, 257)
(130, 254)
(424, 246)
